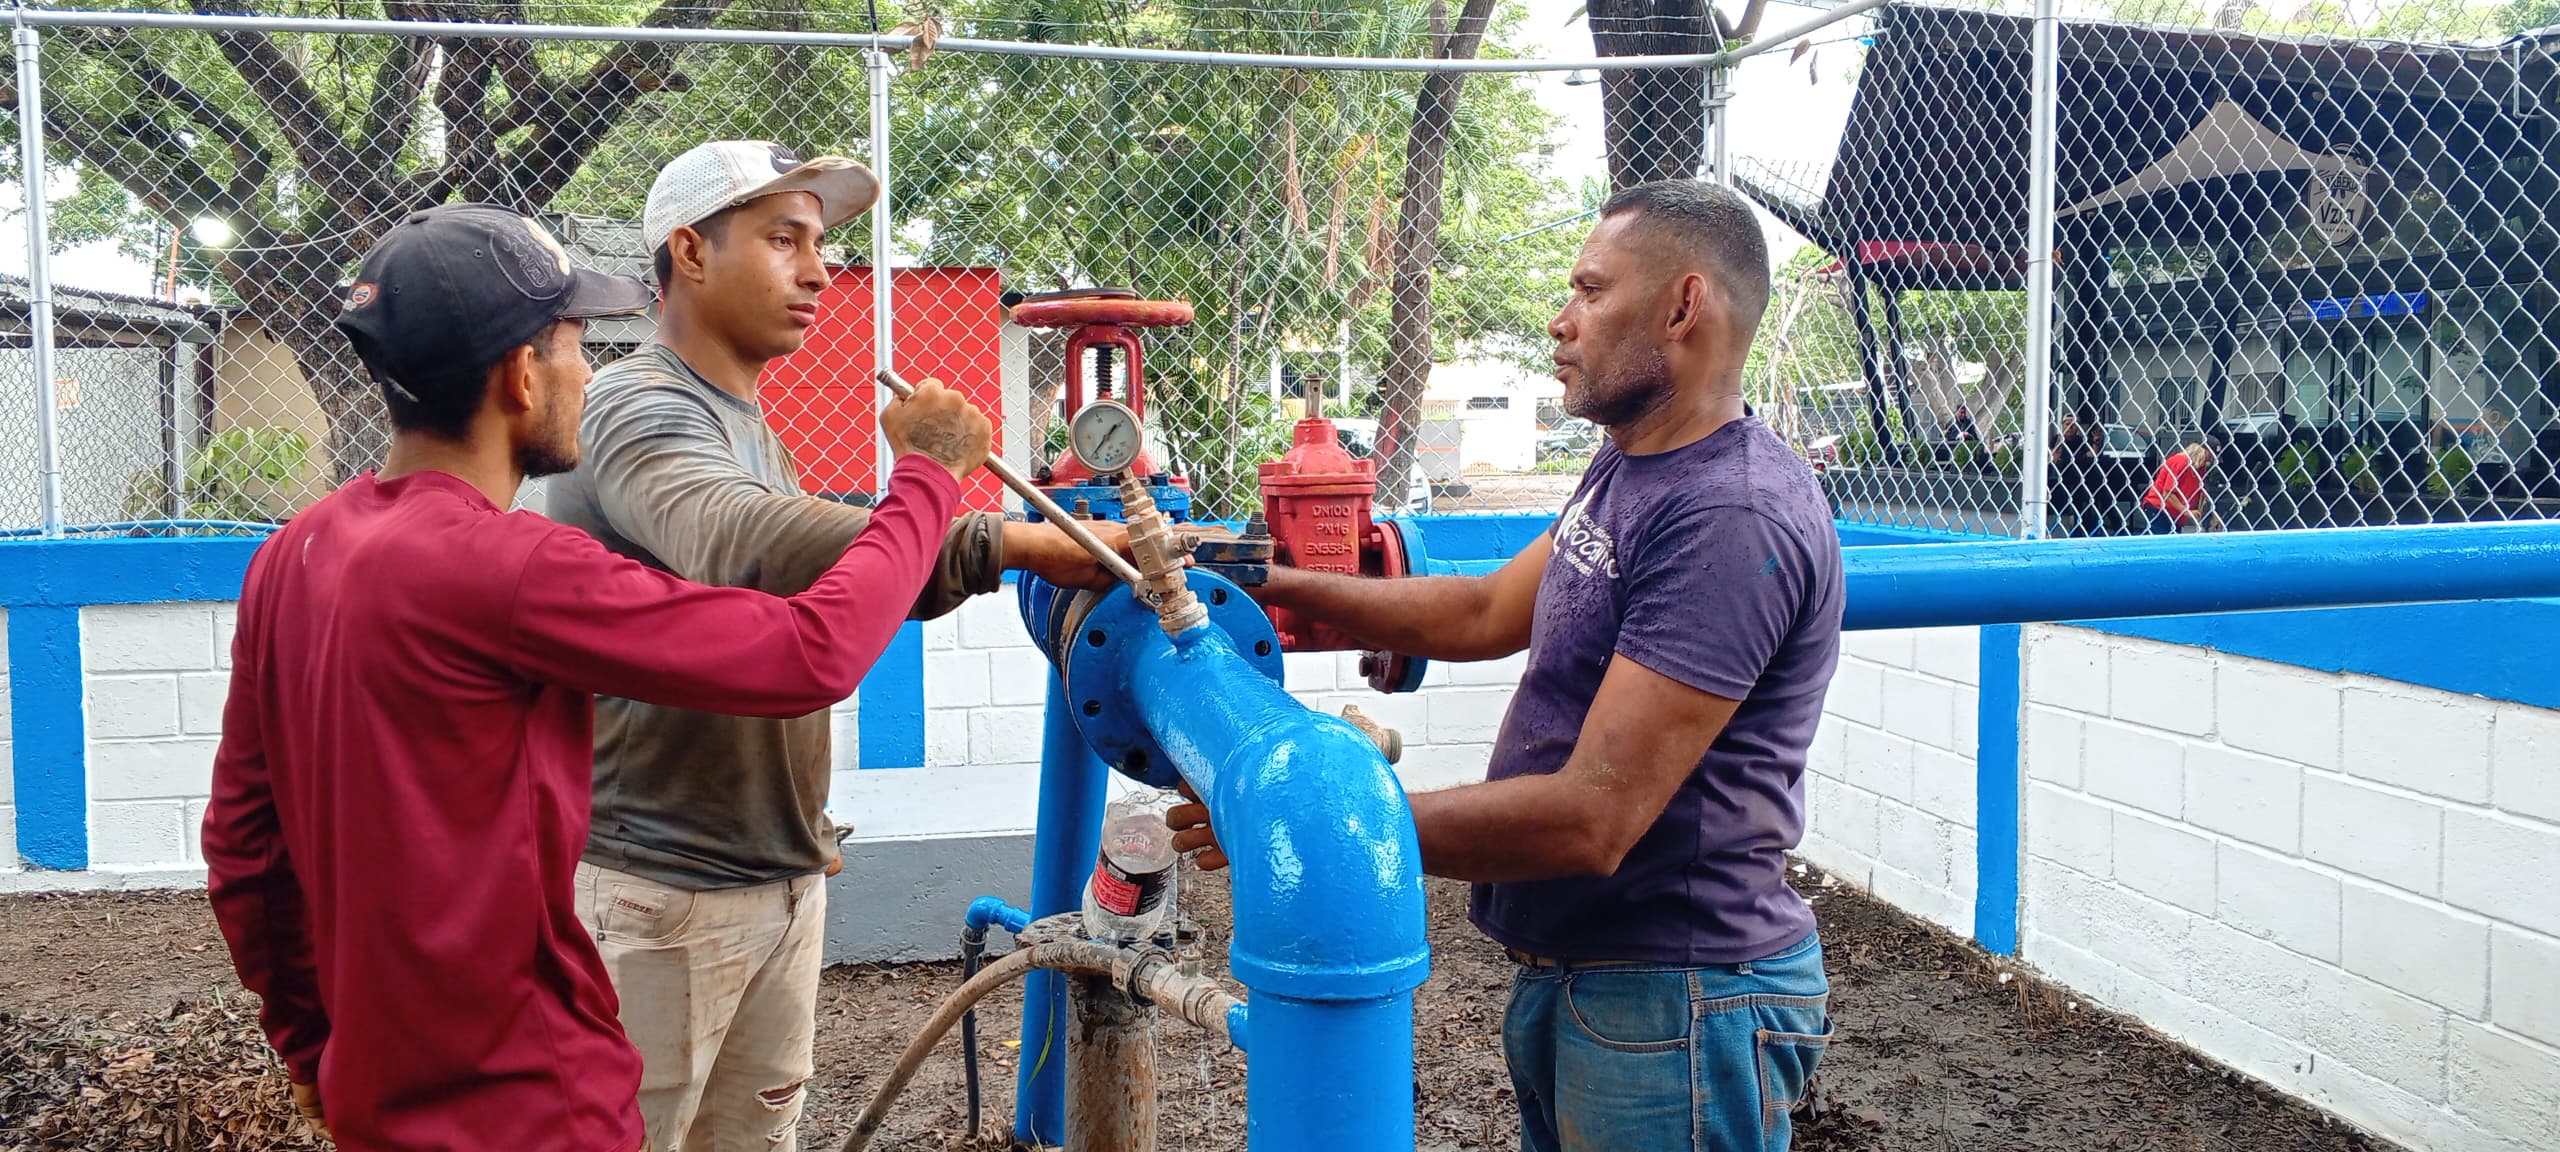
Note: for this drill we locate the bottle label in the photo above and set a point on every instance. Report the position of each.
(1124, 893)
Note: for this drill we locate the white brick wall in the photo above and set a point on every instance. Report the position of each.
(153, 677)
(1890, 787)
(2340, 885)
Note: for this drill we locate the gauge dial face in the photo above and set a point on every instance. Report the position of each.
(1106, 437)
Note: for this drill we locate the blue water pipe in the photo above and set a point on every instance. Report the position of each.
(1326, 873)
(2006, 582)
(1327, 884)
(1073, 785)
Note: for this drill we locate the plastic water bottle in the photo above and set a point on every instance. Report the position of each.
(1130, 896)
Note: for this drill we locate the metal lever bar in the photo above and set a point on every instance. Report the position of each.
(1111, 561)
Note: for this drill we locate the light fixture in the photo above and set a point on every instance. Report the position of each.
(212, 231)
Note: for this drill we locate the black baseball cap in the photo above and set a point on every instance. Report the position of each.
(450, 290)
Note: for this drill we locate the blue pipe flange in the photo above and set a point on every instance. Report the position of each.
(1097, 633)
(1406, 556)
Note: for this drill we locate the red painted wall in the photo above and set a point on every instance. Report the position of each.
(820, 399)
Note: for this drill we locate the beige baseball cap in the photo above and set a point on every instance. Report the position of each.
(715, 177)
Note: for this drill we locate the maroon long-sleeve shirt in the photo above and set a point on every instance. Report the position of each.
(402, 789)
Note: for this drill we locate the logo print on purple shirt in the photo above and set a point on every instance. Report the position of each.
(1585, 543)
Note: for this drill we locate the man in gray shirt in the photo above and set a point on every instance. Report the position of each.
(703, 878)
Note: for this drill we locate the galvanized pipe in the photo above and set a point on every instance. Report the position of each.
(884, 348)
(1111, 1070)
(31, 183)
(2033, 472)
(62, 17)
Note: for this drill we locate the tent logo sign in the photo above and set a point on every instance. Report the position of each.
(2339, 206)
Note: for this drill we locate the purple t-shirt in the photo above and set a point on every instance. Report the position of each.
(1714, 564)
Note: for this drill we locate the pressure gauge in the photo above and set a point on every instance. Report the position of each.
(1105, 436)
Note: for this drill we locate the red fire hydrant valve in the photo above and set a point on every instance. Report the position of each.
(1315, 503)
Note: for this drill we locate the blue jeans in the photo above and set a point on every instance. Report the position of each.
(2158, 523)
(1648, 1058)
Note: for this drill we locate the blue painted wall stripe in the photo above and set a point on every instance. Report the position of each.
(1995, 796)
(49, 764)
(890, 732)
(2500, 649)
(123, 571)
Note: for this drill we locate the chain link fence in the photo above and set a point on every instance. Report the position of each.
(2314, 243)
(2312, 247)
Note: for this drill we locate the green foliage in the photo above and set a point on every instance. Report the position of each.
(242, 474)
(1268, 198)
(2357, 467)
(2300, 465)
(2451, 474)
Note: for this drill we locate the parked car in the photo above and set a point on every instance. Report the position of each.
(1575, 437)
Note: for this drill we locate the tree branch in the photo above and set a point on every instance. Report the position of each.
(569, 122)
(399, 86)
(151, 162)
(317, 141)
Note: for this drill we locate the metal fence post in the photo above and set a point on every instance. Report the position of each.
(883, 354)
(1720, 123)
(39, 280)
(2034, 467)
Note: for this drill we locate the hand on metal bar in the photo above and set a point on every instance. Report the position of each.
(1103, 554)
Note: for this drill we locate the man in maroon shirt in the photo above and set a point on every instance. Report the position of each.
(402, 790)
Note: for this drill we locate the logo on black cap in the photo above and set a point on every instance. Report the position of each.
(361, 295)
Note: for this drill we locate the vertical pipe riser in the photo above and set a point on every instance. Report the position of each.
(2034, 480)
(1111, 1070)
(883, 351)
(39, 277)
(1330, 1075)
(1073, 785)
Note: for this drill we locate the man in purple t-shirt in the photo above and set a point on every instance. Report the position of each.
(1682, 618)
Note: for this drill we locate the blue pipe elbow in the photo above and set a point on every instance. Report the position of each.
(986, 911)
(1328, 873)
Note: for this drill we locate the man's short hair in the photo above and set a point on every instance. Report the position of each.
(444, 404)
(714, 228)
(1711, 224)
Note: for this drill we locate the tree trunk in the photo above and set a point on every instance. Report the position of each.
(1417, 248)
(1653, 119)
(291, 287)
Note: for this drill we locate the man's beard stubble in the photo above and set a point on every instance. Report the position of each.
(1623, 394)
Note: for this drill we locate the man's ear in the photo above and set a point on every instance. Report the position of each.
(1691, 297)
(511, 381)
(684, 254)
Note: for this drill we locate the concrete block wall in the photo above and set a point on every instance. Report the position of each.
(153, 680)
(1890, 783)
(2341, 885)
(154, 677)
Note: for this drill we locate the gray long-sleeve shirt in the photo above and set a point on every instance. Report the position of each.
(683, 476)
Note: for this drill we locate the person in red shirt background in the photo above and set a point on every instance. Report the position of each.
(2176, 497)
(402, 789)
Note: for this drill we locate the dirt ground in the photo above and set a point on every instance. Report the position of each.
(121, 1028)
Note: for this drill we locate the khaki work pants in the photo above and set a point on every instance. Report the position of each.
(719, 991)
